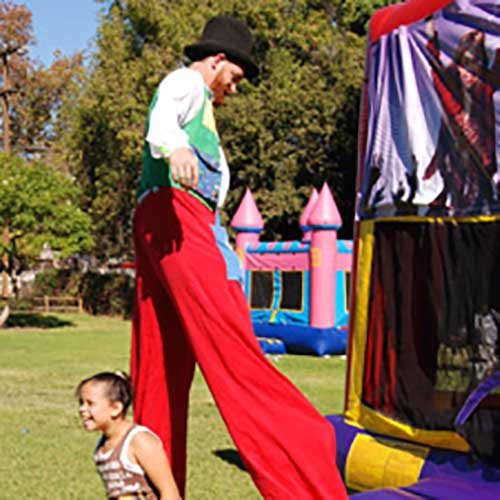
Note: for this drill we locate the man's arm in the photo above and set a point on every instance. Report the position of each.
(180, 96)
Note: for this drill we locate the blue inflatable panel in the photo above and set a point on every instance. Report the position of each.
(300, 339)
(272, 346)
(455, 473)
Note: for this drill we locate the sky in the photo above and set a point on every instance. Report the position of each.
(65, 25)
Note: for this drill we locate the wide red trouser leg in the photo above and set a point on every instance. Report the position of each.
(162, 367)
(286, 445)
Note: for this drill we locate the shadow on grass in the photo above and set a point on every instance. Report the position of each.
(231, 457)
(35, 320)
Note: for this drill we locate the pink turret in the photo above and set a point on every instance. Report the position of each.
(325, 221)
(304, 225)
(247, 223)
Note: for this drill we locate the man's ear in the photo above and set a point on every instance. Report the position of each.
(116, 408)
(218, 59)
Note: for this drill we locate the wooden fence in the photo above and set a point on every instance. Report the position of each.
(48, 303)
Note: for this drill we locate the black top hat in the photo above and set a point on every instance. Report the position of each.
(227, 35)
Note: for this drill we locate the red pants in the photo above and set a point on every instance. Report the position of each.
(187, 311)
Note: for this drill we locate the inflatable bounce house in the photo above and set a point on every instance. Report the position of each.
(422, 408)
(297, 290)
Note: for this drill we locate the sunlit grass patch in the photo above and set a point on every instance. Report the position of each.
(45, 453)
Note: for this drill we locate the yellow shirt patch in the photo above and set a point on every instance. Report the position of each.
(208, 117)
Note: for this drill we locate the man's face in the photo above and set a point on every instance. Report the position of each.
(225, 81)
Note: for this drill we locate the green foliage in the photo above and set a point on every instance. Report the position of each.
(354, 15)
(110, 294)
(294, 130)
(21, 305)
(56, 282)
(39, 205)
(105, 294)
(41, 109)
(297, 128)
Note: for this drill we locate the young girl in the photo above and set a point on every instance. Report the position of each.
(129, 458)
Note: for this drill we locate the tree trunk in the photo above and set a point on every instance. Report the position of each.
(5, 262)
(4, 316)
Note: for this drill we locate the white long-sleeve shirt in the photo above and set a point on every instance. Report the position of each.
(179, 98)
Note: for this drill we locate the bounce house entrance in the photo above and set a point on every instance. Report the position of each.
(422, 412)
(425, 356)
(430, 270)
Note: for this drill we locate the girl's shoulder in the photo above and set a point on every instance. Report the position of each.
(139, 438)
(140, 435)
(137, 429)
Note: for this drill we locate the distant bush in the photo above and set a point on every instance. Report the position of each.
(106, 294)
(56, 282)
(21, 305)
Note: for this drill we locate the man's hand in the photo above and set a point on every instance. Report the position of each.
(184, 167)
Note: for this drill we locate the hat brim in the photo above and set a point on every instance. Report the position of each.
(198, 51)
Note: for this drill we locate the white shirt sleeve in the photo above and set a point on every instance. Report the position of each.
(180, 97)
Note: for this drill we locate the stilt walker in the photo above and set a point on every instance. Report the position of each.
(190, 306)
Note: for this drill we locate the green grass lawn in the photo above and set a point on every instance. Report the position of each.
(46, 455)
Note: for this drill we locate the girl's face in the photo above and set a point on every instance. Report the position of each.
(96, 409)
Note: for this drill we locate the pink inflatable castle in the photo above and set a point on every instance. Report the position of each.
(297, 290)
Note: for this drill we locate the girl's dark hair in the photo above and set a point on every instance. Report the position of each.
(118, 387)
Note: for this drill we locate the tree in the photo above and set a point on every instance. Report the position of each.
(299, 126)
(293, 130)
(32, 96)
(354, 15)
(15, 32)
(39, 206)
(40, 111)
(36, 99)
